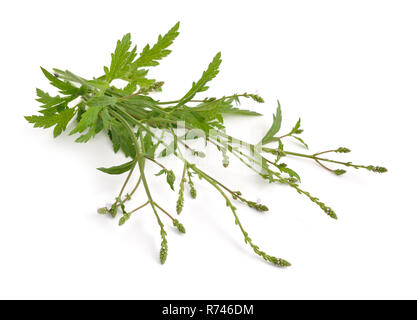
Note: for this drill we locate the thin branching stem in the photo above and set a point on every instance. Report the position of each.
(126, 181)
(347, 164)
(323, 166)
(164, 211)
(141, 160)
(140, 207)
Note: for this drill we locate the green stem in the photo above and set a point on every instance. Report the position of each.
(133, 190)
(164, 211)
(126, 181)
(348, 164)
(329, 211)
(141, 160)
(176, 154)
(314, 157)
(176, 101)
(327, 151)
(285, 135)
(255, 248)
(140, 207)
(323, 166)
(156, 162)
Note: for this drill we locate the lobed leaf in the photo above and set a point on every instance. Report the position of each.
(64, 86)
(47, 100)
(59, 120)
(200, 85)
(149, 56)
(121, 59)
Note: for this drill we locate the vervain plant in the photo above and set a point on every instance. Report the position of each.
(145, 129)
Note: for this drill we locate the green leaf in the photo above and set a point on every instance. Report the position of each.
(296, 129)
(171, 179)
(210, 110)
(64, 118)
(200, 85)
(197, 120)
(64, 86)
(168, 150)
(283, 168)
(121, 139)
(101, 101)
(88, 119)
(149, 56)
(142, 101)
(170, 176)
(205, 111)
(149, 146)
(280, 152)
(54, 109)
(47, 100)
(121, 59)
(59, 120)
(98, 84)
(301, 141)
(276, 125)
(139, 77)
(237, 111)
(130, 88)
(69, 76)
(52, 105)
(107, 119)
(119, 169)
(160, 172)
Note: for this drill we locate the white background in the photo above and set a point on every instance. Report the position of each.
(348, 68)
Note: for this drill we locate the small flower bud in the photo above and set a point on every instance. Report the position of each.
(199, 154)
(330, 213)
(377, 169)
(256, 98)
(171, 178)
(113, 210)
(157, 85)
(163, 254)
(339, 172)
(380, 169)
(262, 207)
(236, 194)
(179, 226)
(291, 180)
(283, 263)
(180, 204)
(342, 150)
(103, 210)
(193, 193)
(124, 219)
